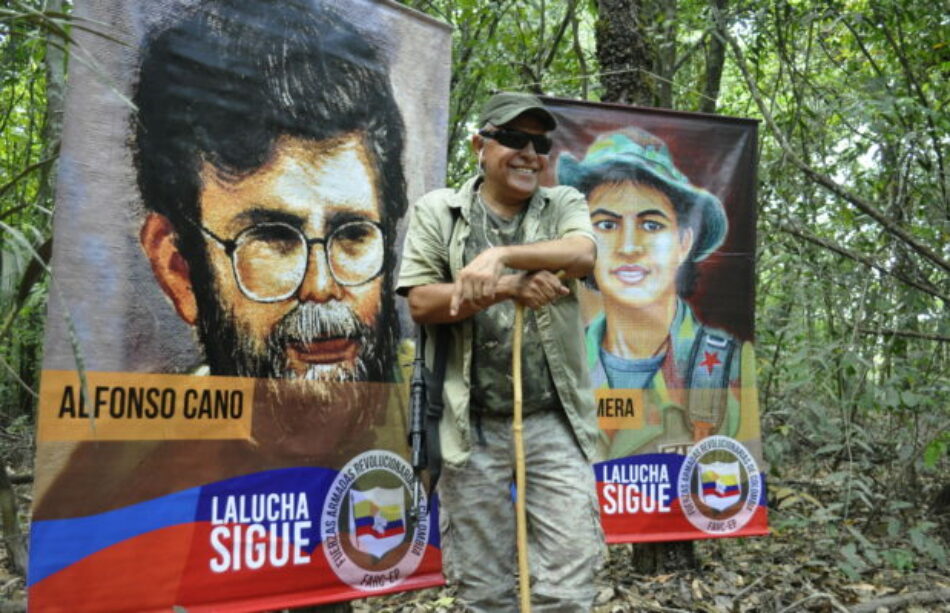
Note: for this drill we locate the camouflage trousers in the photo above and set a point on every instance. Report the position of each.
(565, 540)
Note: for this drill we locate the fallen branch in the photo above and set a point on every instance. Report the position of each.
(655, 608)
(6, 586)
(928, 596)
(738, 597)
(21, 479)
(13, 539)
(831, 599)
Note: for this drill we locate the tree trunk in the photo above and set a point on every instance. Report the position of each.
(660, 558)
(715, 60)
(666, 56)
(625, 56)
(627, 60)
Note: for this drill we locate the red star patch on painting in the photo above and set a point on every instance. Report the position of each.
(711, 360)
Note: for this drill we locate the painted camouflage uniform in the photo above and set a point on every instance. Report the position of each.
(721, 380)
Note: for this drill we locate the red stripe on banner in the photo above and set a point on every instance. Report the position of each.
(385, 533)
(295, 587)
(710, 490)
(140, 574)
(671, 526)
(172, 566)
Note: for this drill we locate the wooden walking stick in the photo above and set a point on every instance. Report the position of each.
(521, 518)
(517, 428)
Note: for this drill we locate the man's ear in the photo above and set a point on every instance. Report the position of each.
(477, 142)
(169, 265)
(478, 146)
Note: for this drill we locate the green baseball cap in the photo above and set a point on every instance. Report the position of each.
(505, 106)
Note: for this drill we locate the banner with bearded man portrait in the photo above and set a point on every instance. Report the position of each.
(223, 400)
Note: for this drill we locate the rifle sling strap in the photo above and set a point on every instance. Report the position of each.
(435, 379)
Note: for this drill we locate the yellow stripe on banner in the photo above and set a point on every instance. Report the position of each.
(136, 406)
(619, 409)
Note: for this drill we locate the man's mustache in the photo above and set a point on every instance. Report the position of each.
(312, 321)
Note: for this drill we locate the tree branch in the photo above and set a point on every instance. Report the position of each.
(862, 259)
(579, 52)
(914, 86)
(562, 28)
(9, 184)
(823, 180)
(904, 333)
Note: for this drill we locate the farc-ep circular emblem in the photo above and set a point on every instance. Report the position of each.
(719, 485)
(365, 526)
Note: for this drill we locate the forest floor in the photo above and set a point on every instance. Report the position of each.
(813, 560)
(817, 558)
(776, 574)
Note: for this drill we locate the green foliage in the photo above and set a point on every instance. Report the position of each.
(937, 449)
(540, 46)
(27, 148)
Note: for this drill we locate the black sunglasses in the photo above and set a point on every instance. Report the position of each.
(516, 139)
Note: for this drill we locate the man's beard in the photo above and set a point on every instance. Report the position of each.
(232, 349)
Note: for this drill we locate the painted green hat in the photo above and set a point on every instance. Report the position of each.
(637, 155)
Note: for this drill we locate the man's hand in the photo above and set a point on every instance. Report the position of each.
(539, 288)
(477, 282)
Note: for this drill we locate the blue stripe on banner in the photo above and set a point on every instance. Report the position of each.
(57, 543)
(363, 522)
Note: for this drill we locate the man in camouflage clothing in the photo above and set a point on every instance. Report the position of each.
(471, 254)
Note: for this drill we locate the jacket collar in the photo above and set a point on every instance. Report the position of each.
(465, 197)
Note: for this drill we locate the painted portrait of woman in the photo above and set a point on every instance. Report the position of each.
(652, 227)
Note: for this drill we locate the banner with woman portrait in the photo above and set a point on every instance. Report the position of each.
(223, 405)
(669, 313)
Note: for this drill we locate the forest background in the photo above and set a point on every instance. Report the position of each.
(853, 265)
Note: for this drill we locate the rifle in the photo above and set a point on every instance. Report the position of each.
(417, 434)
(425, 413)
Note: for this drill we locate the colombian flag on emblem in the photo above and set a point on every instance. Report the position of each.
(720, 484)
(377, 519)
